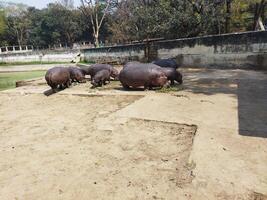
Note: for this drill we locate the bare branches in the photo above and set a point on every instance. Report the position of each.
(93, 10)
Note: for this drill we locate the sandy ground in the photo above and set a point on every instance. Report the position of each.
(207, 140)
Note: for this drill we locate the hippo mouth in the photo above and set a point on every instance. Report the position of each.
(93, 83)
(163, 79)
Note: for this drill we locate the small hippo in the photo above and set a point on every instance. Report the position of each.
(100, 78)
(173, 75)
(77, 74)
(93, 69)
(58, 77)
(142, 75)
(170, 63)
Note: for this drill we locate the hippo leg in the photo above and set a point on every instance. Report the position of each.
(81, 81)
(54, 88)
(147, 87)
(172, 82)
(68, 83)
(125, 86)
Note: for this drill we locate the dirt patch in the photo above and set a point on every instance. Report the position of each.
(51, 148)
(42, 143)
(147, 160)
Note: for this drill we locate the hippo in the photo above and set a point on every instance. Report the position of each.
(131, 64)
(58, 77)
(77, 74)
(142, 75)
(100, 78)
(93, 69)
(173, 75)
(170, 63)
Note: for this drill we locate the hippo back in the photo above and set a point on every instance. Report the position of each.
(100, 76)
(103, 74)
(140, 74)
(173, 74)
(166, 63)
(139, 64)
(93, 69)
(57, 75)
(76, 73)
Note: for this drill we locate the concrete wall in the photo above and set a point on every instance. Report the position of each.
(43, 56)
(239, 50)
(117, 54)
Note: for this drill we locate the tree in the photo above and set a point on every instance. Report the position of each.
(246, 14)
(3, 27)
(2, 22)
(259, 12)
(96, 11)
(18, 25)
(140, 19)
(228, 16)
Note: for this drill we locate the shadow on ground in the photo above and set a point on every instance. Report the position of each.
(51, 92)
(250, 89)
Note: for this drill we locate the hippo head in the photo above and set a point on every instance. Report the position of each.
(114, 74)
(179, 78)
(84, 72)
(88, 71)
(93, 82)
(160, 80)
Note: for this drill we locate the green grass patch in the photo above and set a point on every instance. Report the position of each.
(175, 88)
(30, 63)
(8, 80)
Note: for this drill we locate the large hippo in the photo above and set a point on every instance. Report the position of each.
(173, 75)
(93, 69)
(100, 78)
(58, 77)
(142, 75)
(77, 74)
(131, 64)
(170, 63)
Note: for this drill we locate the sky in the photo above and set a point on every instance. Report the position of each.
(37, 3)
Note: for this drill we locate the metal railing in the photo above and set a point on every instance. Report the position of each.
(16, 49)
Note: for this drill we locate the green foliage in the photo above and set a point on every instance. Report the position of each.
(125, 21)
(138, 20)
(2, 22)
(3, 27)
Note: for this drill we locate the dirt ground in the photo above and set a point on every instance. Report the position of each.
(205, 140)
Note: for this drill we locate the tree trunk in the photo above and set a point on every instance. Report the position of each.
(259, 10)
(228, 16)
(96, 40)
